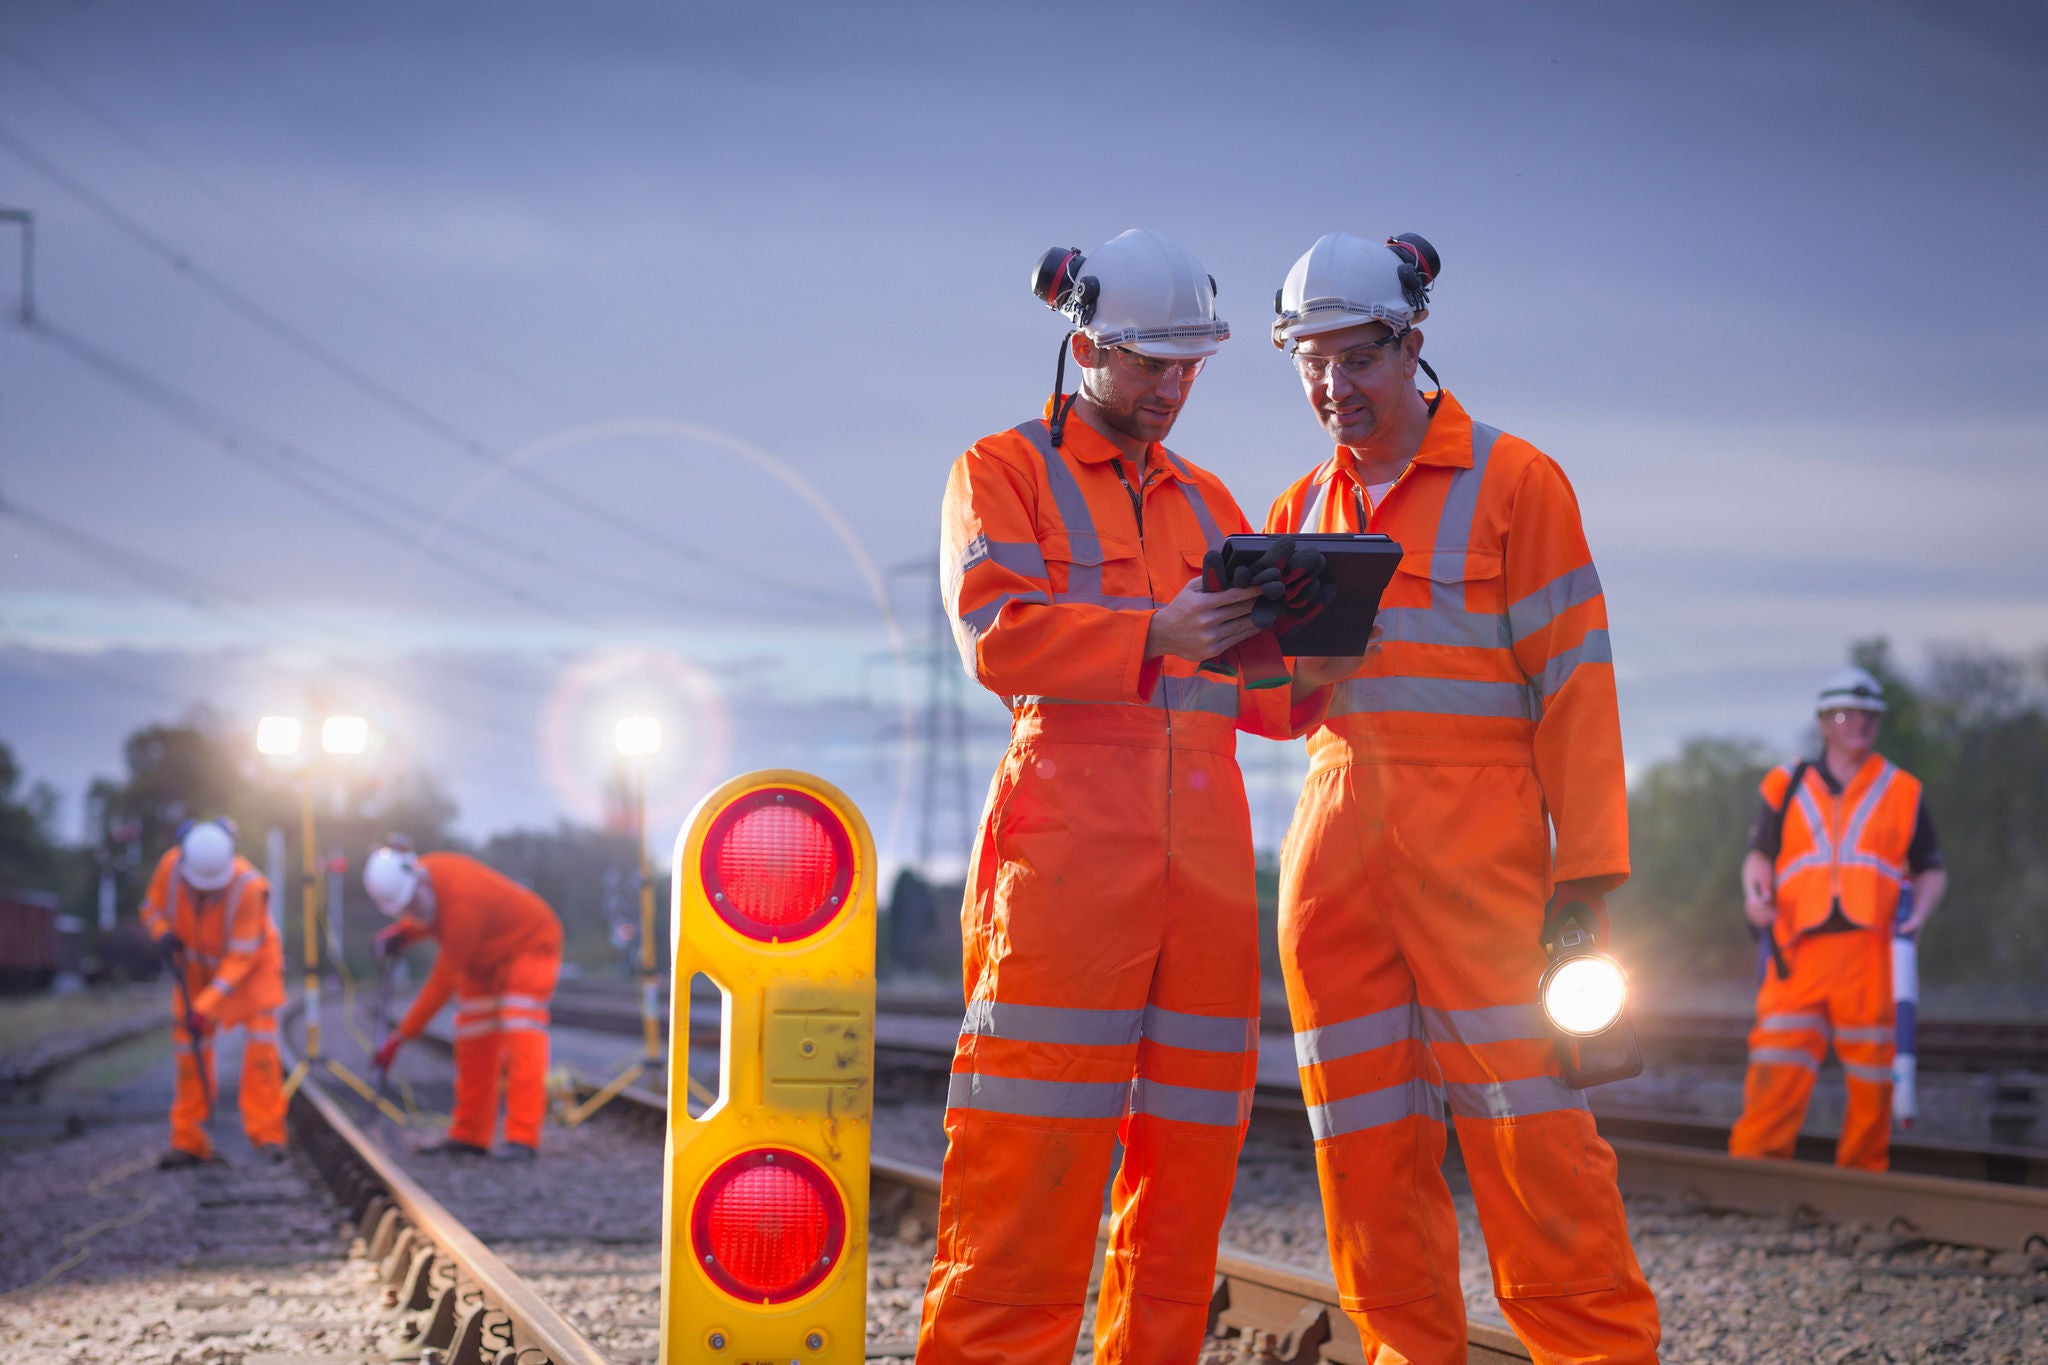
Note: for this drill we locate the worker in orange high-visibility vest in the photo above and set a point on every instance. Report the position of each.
(1110, 918)
(1837, 837)
(1467, 777)
(209, 912)
(501, 950)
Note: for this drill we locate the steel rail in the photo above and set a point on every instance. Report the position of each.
(1253, 1294)
(427, 1259)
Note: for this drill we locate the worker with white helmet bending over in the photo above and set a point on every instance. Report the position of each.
(1464, 815)
(1837, 838)
(501, 950)
(209, 912)
(1110, 920)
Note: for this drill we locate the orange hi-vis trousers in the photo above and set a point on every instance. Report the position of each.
(1411, 903)
(1112, 957)
(1840, 983)
(261, 1090)
(501, 1026)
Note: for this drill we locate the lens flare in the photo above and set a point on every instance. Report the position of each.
(1583, 996)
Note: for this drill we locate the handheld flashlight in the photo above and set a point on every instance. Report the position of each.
(1584, 995)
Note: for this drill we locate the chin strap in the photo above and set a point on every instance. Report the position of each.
(1061, 404)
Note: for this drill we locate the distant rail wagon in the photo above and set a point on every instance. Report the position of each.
(28, 940)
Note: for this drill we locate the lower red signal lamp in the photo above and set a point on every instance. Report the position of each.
(768, 1226)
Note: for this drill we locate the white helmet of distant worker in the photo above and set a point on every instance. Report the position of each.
(206, 856)
(392, 875)
(1343, 281)
(1851, 689)
(1140, 290)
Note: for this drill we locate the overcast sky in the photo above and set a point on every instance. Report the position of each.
(497, 367)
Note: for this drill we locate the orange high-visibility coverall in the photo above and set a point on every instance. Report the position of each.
(1846, 851)
(234, 977)
(1412, 890)
(1110, 919)
(501, 950)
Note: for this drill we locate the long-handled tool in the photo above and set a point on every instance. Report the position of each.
(191, 1023)
(380, 1098)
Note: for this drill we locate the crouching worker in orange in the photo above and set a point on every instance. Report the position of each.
(1468, 776)
(1110, 920)
(501, 950)
(1836, 838)
(209, 913)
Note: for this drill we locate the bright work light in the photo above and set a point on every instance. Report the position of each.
(277, 735)
(344, 734)
(638, 736)
(1585, 995)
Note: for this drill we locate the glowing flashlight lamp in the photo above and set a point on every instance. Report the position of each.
(1584, 994)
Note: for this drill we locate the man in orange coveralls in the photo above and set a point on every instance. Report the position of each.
(1110, 939)
(1825, 866)
(501, 950)
(209, 911)
(1468, 775)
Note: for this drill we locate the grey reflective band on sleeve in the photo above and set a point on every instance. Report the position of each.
(1491, 1024)
(977, 622)
(244, 945)
(1073, 508)
(1201, 1032)
(1103, 599)
(1038, 1099)
(1349, 1037)
(1415, 1098)
(1434, 696)
(1875, 1075)
(1052, 1024)
(1537, 610)
(1594, 649)
(1018, 556)
(1512, 1099)
(1783, 1056)
(1189, 1104)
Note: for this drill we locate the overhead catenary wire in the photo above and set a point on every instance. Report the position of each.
(335, 490)
(384, 394)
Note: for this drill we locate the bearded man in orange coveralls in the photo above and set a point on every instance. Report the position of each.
(209, 911)
(1110, 924)
(1470, 772)
(501, 950)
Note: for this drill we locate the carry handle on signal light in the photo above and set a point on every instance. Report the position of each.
(1584, 995)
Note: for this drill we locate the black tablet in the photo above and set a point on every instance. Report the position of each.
(1360, 565)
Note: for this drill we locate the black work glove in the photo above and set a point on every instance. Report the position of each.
(171, 946)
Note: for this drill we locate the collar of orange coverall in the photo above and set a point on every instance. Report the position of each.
(1448, 441)
(1090, 446)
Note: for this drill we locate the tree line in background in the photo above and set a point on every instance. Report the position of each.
(199, 769)
(1973, 727)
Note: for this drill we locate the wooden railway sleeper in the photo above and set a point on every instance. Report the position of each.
(1254, 1320)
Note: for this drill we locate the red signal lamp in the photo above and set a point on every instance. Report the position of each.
(777, 865)
(768, 1226)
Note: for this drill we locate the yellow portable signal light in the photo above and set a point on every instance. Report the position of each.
(765, 1201)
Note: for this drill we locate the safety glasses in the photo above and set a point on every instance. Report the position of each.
(1152, 369)
(1356, 363)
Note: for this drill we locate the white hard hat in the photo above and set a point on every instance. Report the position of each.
(391, 876)
(1140, 290)
(206, 856)
(1852, 689)
(1343, 281)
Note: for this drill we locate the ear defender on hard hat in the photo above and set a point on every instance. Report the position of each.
(1584, 996)
(1057, 283)
(1419, 267)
